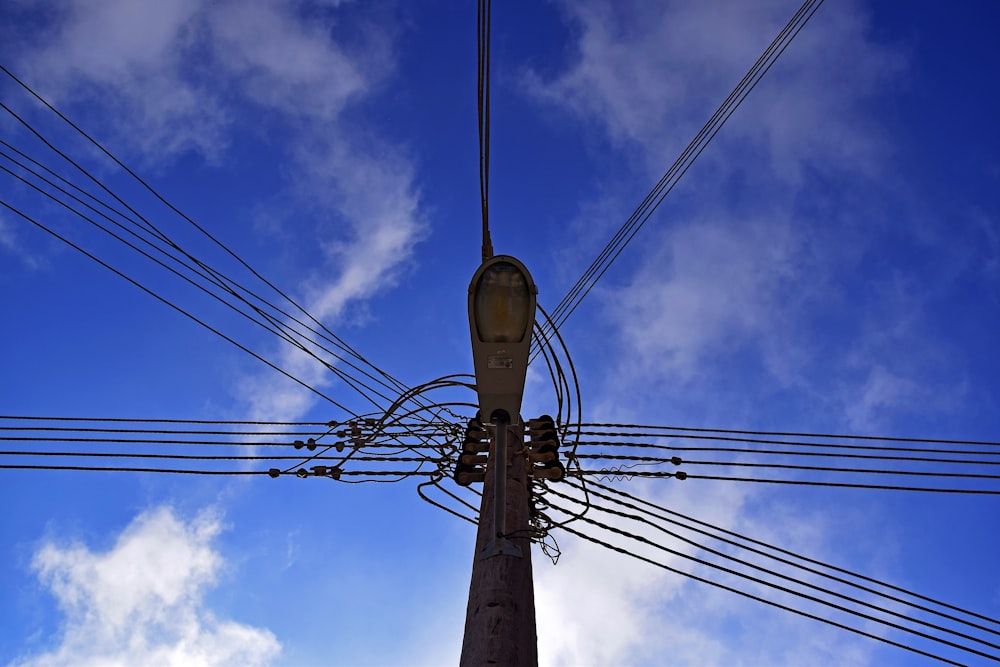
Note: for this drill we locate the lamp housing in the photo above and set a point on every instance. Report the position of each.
(502, 297)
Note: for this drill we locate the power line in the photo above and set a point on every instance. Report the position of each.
(676, 460)
(741, 561)
(178, 212)
(840, 436)
(652, 201)
(796, 482)
(798, 557)
(483, 19)
(785, 589)
(758, 598)
(167, 302)
(272, 324)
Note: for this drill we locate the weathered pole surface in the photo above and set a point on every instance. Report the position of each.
(500, 618)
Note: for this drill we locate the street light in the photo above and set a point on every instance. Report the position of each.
(501, 313)
(501, 316)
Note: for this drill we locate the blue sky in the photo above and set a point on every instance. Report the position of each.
(831, 263)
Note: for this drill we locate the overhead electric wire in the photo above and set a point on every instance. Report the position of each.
(791, 579)
(186, 471)
(798, 557)
(345, 377)
(796, 482)
(352, 382)
(483, 20)
(182, 215)
(652, 201)
(762, 599)
(134, 420)
(791, 591)
(840, 436)
(221, 280)
(212, 457)
(780, 466)
(280, 329)
(799, 452)
(167, 302)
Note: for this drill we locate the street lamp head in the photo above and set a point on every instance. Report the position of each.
(503, 303)
(501, 314)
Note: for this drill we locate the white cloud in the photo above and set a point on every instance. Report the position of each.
(189, 76)
(9, 242)
(286, 63)
(650, 74)
(739, 279)
(131, 57)
(142, 601)
(599, 607)
(711, 286)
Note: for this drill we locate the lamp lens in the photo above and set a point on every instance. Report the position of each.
(502, 301)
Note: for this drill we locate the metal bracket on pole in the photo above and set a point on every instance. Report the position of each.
(499, 545)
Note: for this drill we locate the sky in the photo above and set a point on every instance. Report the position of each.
(830, 263)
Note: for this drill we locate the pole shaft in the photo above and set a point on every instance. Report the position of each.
(500, 617)
(500, 482)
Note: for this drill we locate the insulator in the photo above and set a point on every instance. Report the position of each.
(298, 444)
(339, 445)
(467, 478)
(545, 421)
(320, 471)
(370, 422)
(537, 428)
(545, 446)
(301, 473)
(311, 444)
(553, 471)
(333, 423)
(476, 446)
(274, 472)
(543, 436)
(676, 460)
(542, 457)
(476, 426)
(680, 474)
(472, 459)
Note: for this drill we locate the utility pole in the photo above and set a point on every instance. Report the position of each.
(500, 618)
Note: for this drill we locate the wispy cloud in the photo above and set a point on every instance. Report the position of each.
(142, 601)
(188, 78)
(721, 299)
(9, 243)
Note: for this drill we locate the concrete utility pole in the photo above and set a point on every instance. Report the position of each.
(500, 618)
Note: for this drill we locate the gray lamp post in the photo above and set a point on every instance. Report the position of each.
(500, 616)
(501, 313)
